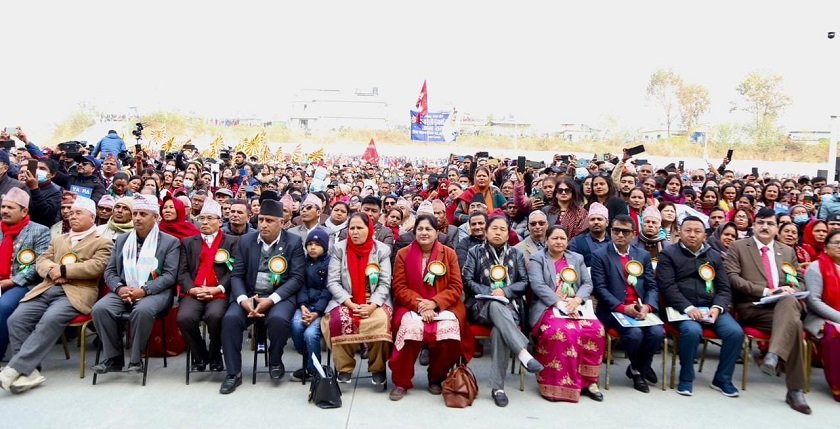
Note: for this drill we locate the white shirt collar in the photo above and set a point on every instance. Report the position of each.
(760, 245)
(261, 241)
(210, 238)
(619, 253)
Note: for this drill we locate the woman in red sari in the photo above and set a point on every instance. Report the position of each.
(823, 319)
(427, 284)
(173, 215)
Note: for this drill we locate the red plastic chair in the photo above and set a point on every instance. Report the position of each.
(672, 331)
(752, 334)
(482, 332)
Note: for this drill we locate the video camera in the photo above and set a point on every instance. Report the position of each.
(138, 131)
(71, 148)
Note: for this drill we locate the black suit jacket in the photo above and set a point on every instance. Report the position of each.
(167, 254)
(610, 280)
(245, 269)
(190, 253)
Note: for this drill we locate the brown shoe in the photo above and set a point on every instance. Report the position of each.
(435, 388)
(796, 400)
(397, 393)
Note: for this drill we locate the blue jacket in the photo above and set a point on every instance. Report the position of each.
(610, 280)
(112, 143)
(314, 293)
(830, 204)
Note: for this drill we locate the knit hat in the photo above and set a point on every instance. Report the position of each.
(271, 208)
(106, 201)
(126, 201)
(86, 204)
(653, 212)
(18, 196)
(269, 195)
(598, 209)
(211, 207)
(185, 199)
(319, 236)
(478, 198)
(146, 203)
(426, 207)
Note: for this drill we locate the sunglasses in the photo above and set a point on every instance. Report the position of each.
(538, 223)
(564, 190)
(297, 181)
(622, 231)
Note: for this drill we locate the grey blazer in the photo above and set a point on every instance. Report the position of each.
(338, 279)
(37, 238)
(543, 278)
(818, 310)
(168, 254)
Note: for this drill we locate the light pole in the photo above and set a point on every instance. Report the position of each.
(832, 148)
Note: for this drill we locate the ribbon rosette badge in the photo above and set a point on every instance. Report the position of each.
(69, 258)
(26, 257)
(436, 269)
(569, 276)
(277, 265)
(634, 270)
(790, 274)
(498, 273)
(223, 257)
(707, 273)
(372, 272)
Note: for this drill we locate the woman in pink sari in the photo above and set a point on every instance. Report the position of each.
(569, 346)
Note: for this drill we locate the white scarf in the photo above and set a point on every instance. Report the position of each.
(76, 237)
(138, 269)
(333, 228)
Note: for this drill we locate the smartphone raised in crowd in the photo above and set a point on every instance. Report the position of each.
(635, 150)
(729, 154)
(32, 166)
(520, 164)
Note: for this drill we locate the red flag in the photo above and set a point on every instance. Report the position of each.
(422, 104)
(371, 156)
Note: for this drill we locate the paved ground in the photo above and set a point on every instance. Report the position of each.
(118, 401)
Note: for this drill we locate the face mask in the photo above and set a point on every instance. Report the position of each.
(801, 219)
(170, 168)
(41, 175)
(696, 185)
(188, 183)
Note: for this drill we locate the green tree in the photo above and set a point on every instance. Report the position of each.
(694, 102)
(663, 87)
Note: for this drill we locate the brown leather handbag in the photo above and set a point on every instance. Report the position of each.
(460, 388)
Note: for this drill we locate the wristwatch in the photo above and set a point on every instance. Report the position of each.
(145, 290)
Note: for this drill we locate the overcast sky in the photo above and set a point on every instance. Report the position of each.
(544, 62)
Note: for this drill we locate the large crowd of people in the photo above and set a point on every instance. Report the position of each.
(415, 262)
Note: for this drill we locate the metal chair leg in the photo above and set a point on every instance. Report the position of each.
(675, 343)
(609, 359)
(83, 348)
(703, 355)
(96, 361)
(747, 347)
(664, 358)
(521, 378)
(64, 344)
(806, 359)
(188, 365)
(163, 331)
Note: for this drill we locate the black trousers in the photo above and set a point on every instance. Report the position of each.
(278, 324)
(190, 313)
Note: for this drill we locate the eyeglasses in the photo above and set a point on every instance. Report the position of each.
(538, 223)
(564, 190)
(207, 218)
(308, 207)
(622, 231)
(389, 203)
(297, 181)
(835, 244)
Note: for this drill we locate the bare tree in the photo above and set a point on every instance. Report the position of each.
(664, 87)
(694, 102)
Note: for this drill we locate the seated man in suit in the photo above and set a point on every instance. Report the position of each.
(760, 266)
(71, 268)
(21, 242)
(141, 275)
(635, 296)
(537, 225)
(692, 275)
(266, 277)
(206, 263)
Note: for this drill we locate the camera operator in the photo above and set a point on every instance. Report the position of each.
(6, 181)
(86, 180)
(110, 144)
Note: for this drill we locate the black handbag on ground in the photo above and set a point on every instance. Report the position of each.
(324, 391)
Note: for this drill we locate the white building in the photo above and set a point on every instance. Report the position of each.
(333, 109)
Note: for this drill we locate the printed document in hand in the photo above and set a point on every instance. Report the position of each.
(585, 311)
(501, 299)
(675, 316)
(629, 322)
(771, 299)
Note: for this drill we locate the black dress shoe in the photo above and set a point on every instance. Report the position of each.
(424, 356)
(230, 384)
(593, 393)
(198, 366)
(796, 400)
(378, 377)
(650, 375)
(217, 366)
(500, 398)
(109, 365)
(276, 372)
(638, 381)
